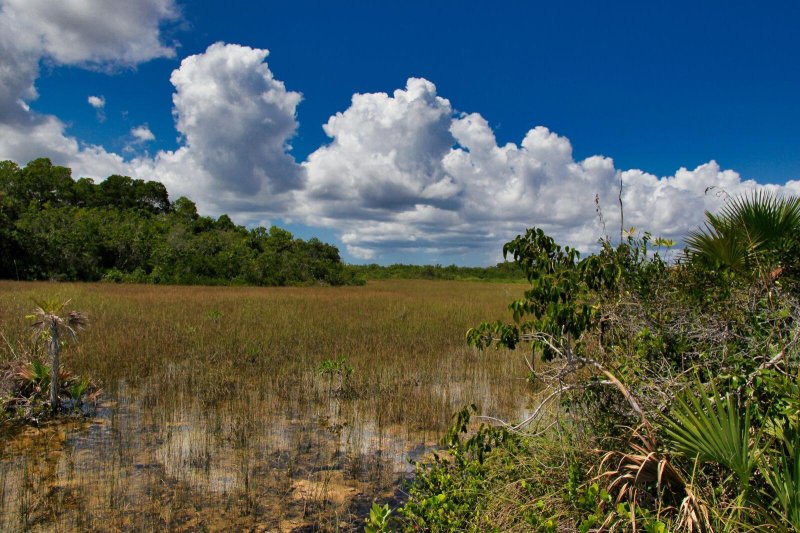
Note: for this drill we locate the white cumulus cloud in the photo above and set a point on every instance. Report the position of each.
(385, 157)
(406, 172)
(99, 33)
(142, 134)
(236, 121)
(47, 139)
(97, 102)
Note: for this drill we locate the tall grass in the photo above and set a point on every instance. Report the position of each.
(216, 416)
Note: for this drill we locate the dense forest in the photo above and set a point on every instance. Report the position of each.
(127, 230)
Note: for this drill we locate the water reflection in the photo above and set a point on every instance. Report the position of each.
(245, 463)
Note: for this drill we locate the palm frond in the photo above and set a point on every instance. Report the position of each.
(74, 321)
(47, 313)
(713, 430)
(764, 218)
(644, 466)
(719, 247)
(747, 225)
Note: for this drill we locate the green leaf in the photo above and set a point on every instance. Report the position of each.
(713, 429)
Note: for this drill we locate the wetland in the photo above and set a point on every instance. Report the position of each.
(260, 409)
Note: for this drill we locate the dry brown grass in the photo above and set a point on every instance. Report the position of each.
(217, 417)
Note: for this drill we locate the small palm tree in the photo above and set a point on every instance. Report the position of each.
(748, 229)
(49, 323)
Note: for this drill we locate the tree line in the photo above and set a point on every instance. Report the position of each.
(508, 272)
(127, 230)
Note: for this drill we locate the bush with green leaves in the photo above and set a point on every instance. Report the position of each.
(673, 383)
(338, 370)
(448, 493)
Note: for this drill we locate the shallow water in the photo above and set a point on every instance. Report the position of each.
(228, 468)
(236, 428)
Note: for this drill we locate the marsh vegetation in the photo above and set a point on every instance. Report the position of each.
(249, 408)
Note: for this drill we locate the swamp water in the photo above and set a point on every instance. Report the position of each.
(240, 431)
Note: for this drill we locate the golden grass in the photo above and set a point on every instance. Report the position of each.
(217, 417)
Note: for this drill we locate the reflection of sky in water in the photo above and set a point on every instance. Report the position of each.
(224, 450)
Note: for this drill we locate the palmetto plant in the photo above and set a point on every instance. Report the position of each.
(714, 429)
(35, 378)
(746, 229)
(50, 322)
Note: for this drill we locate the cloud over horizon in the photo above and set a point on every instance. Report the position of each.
(406, 172)
(78, 33)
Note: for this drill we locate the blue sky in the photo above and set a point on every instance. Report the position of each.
(655, 87)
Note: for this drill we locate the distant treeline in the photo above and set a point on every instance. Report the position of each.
(501, 272)
(128, 230)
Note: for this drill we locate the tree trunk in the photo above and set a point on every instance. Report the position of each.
(55, 348)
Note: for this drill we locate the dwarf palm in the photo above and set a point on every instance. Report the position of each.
(49, 323)
(718, 430)
(761, 226)
(713, 429)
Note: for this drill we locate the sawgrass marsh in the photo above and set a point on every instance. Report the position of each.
(262, 409)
